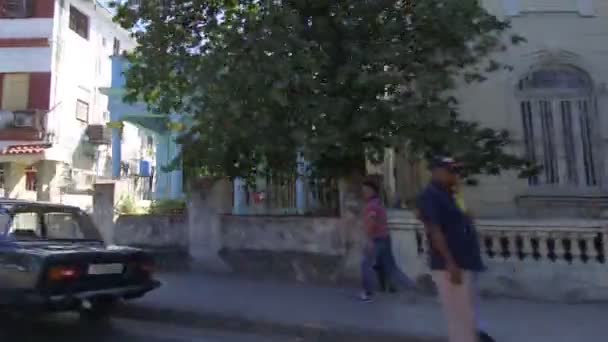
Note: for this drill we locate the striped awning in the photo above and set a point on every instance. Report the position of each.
(25, 149)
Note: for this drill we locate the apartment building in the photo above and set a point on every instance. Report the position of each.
(54, 58)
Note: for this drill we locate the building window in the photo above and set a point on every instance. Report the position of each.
(82, 111)
(16, 8)
(557, 119)
(79, 22)
(116, 47)
(15, 92)
(31, 179)
(2, 176)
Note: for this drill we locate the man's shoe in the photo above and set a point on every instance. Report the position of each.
(485, 337)
(365, 297)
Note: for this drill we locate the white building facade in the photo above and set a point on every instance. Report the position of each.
(555, 105)
(54, 59)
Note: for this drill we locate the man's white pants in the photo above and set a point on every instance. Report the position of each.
(458, 302)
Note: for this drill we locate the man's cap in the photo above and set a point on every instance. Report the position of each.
(444, 162)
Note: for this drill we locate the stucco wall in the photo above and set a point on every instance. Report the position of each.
(568, 38)
(80, 67)
(152, 231)
(282, 233)
(308, 249)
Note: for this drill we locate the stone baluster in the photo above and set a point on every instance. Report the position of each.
(559, 250)
(577, 252)
(421, 243)
(604, 245)
(507, 245)
(526, 248)
(567, 241)
(481, 237)
(593, 252)
(492, 244)
(543, 248)
(589, 251)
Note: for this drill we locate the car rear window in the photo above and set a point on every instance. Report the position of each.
(26, 226)
(62, 226)
(25, 223)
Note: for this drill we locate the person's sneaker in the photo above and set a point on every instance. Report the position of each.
(365, 297)
(485, 337)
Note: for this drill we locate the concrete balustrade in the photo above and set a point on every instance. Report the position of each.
(555, 260)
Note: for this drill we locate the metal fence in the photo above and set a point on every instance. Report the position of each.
(278, 195)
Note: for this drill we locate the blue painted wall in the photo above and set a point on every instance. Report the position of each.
(168, 185)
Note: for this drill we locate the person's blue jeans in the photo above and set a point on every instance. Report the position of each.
(381, 254)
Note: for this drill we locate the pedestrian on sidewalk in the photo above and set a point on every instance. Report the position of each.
(455, 254)
(378, 250)
(484, 336)
(384, 284)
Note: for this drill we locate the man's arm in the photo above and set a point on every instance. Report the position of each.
(428, 214)
(438, 242)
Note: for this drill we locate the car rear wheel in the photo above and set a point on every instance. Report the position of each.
(98, 310)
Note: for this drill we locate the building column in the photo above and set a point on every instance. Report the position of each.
(48, 177)
(176, 185)
(177, 179)
(161, 188)
(104, 202)
(116, 149)
(239, 205)
(14, 180)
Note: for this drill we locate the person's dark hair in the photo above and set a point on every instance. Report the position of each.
(370, 183)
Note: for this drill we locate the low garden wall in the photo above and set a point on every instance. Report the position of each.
(165, 236)
(307, 249)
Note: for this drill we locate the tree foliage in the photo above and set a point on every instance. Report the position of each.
(339, 80)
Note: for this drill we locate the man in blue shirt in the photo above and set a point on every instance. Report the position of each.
(454, 252)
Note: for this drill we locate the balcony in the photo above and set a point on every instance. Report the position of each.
(22, 125)
(99, 134)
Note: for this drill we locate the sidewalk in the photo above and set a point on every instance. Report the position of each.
(332, 314)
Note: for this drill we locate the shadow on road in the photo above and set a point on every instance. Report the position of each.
(64, 327)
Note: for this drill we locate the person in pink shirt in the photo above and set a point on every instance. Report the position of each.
(378, 249)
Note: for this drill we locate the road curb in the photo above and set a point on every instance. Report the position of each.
(240, 324)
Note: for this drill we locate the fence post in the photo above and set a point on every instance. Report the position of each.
(301, 191)
(238, 206)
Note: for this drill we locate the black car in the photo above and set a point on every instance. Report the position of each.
(52, 258)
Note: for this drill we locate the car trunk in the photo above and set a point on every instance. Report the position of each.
(70, 268)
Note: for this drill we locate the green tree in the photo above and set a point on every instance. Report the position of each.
(339, 80)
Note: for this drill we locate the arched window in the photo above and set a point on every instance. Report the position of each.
(556, 109)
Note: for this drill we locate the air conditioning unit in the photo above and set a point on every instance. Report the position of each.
(17, 8)
(25, 119)
(99, 134)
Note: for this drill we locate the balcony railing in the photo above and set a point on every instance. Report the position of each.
(22, 125)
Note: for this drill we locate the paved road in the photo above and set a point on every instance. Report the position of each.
(69, 329)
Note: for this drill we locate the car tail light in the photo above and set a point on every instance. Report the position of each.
(147, 267)
(63, 273)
